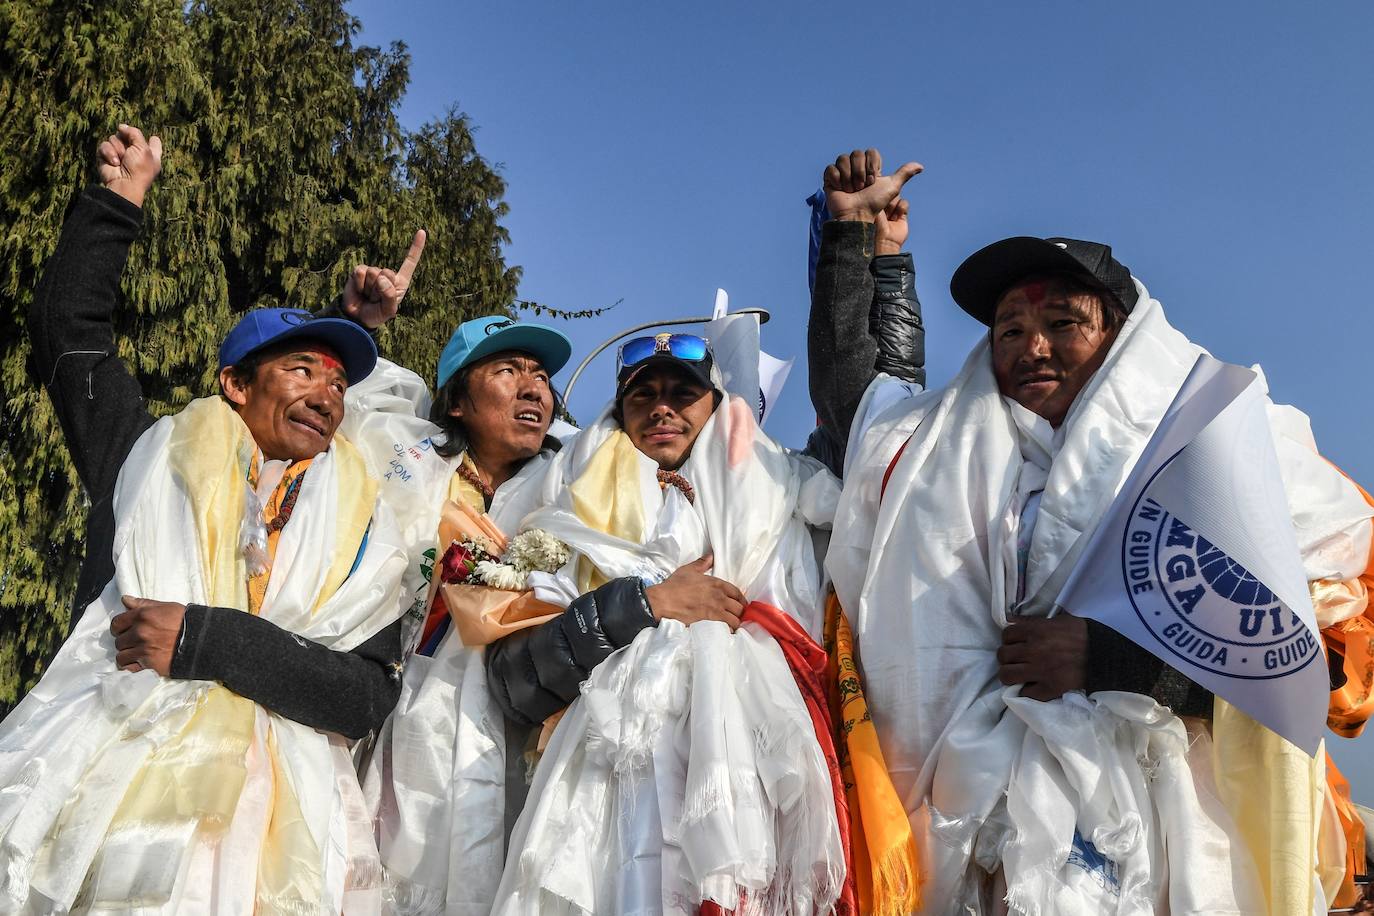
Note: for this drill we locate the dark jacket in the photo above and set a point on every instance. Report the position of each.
(103, 412)
(537, 671)
(865, 319)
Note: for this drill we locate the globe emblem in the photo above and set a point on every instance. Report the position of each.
(1228, 578)
(1202, 606)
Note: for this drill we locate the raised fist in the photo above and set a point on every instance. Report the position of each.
(857, 189)
(127, 163)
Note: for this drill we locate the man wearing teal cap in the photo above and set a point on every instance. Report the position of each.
(494, 400)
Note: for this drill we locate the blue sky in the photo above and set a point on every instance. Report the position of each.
(656, 151)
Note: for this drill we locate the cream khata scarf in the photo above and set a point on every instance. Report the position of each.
(122, 791)
(688, 769)
(1086, 805)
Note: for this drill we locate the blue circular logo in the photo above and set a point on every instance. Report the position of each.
(1202, 605)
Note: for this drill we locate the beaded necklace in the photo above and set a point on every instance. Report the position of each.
(673, 479)
(471, 477)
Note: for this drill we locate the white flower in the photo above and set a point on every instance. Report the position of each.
(499, 575)
(536, 550)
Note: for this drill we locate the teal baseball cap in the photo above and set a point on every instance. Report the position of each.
(494, 333)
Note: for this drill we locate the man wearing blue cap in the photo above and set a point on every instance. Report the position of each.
(236, 619)
(285, 374)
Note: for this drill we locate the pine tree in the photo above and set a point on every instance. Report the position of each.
(284, 165)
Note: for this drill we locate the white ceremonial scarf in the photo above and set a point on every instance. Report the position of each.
(688, 768)
(930, 567)
(75, 744)
(435, 780)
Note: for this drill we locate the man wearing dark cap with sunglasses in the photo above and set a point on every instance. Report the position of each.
(986, 485)
(680, 519)
(664, 397)
(259, 571)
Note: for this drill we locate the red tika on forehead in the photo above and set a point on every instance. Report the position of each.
(326, 354)
(1034, 291)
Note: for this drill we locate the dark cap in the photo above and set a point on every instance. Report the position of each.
(989, 272)
(698, 371)
(266, 327)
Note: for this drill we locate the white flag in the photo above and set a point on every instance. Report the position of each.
(1196, 560)
(773, 374)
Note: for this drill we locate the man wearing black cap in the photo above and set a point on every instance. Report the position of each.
(664, 397)
(962, 515)
(680, 519)
(285, 374)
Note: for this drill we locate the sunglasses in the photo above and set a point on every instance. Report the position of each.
(687, 347)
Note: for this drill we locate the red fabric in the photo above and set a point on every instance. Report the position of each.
(892, 466)
(808, 663)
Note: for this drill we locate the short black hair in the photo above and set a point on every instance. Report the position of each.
(245, 371)
(1113, 314)
(455, 438)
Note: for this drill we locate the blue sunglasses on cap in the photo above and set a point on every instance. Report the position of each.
(687, 347)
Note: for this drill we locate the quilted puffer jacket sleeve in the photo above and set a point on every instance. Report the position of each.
(535, 672)
(894, 319)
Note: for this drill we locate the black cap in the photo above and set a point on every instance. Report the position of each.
(699, 370)
(989, 272)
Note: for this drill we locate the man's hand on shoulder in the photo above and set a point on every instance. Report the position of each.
(127, 163)
(373, 295)
(856, 188)
(689, 595)
(146, 634)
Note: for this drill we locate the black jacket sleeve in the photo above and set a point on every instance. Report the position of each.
(96, 398)
(535, 672)
(840, 352)
(103, 412)
(346, 692)
(865, 319)
(1116, 663)
(894, 319)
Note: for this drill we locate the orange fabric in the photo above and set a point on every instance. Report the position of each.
(884, 850)
(1353, 828)
(1350, 707)
(257, 585)
(1352, 703)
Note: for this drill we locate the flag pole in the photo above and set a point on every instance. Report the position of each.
(567, 392)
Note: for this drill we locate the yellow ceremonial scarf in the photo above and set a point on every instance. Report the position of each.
(887, 877)
(1273, 791)
(606, 497)
(197, 775)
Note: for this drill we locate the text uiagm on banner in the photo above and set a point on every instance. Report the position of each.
(1197, 561)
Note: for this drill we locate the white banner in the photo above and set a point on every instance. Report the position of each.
(1197, 562)
(747, 370)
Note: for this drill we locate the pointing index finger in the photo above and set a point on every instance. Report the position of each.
(417, 248)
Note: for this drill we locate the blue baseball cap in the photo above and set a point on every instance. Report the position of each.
(484, 336)
(264, 327)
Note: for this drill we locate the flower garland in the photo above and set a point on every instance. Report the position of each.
(471, 562)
